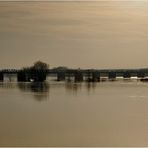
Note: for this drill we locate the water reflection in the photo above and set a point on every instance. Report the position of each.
(73, 87)
(77, 87)
(8, 85)
(40, 90)
(90, 86)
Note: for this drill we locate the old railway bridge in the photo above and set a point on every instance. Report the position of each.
(77, 75)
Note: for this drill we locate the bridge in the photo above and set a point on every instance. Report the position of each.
(91, 75)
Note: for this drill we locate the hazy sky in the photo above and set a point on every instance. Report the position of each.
(74, 34)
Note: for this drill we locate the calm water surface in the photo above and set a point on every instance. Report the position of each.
(74, 114)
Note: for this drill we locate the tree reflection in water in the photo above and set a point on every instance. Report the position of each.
(40, 90)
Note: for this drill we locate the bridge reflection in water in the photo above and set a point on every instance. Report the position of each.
(40, 91)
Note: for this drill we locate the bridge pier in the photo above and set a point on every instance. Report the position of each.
(126, 75)
(95, 77)
(88, 76)
(78, 76)
(60, 76)
(140, 74)
(1, 76)
(112, 75)
(70, 75)
(23, 76)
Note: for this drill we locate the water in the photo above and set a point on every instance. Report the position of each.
(74, 114)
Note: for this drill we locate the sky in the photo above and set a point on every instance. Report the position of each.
(112, 34)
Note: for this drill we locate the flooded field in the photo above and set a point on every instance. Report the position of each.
(74, 114)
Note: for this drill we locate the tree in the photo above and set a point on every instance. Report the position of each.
(40, 66)
(37, 72)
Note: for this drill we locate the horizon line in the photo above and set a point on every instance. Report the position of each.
(146, 68)
(73, 0)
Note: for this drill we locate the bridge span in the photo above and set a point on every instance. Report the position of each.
(91, 75)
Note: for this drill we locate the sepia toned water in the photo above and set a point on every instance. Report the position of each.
(74, 114)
